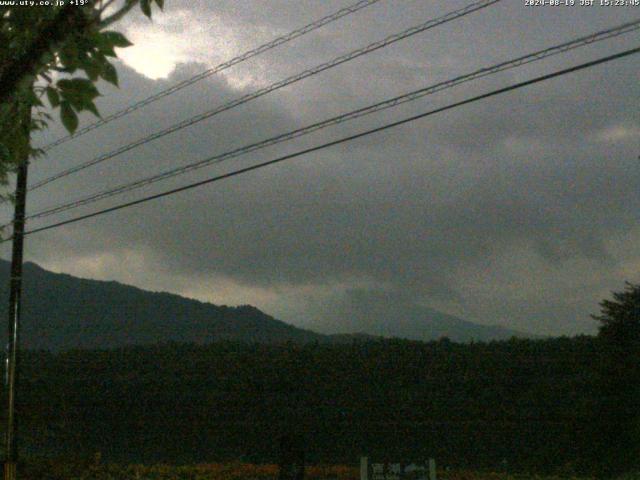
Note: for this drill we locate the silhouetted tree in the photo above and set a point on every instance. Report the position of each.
(620, 317)
(618, 382)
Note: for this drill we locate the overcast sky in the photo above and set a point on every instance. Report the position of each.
(520, 210)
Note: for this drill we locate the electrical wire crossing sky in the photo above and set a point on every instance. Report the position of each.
(517, 210)
(389, 103)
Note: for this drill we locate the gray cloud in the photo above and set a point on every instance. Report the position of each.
(518, 210)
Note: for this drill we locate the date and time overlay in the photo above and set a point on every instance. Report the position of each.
(527, 3)
(581, 3)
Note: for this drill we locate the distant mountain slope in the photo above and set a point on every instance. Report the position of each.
(392, 314)
(64, 312)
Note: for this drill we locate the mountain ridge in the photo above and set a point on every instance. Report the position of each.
(86, 313)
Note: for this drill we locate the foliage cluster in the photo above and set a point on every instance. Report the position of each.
(57, 52)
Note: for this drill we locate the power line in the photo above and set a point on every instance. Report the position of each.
(217, 69)
(389, 103)
(341, 140)
(275, 86)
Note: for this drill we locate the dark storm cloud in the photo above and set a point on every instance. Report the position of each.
(532, 190)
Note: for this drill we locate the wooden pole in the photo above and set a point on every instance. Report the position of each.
(15, 290)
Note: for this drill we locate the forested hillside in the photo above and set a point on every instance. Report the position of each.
(63, 312)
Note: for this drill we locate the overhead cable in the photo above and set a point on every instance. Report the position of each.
(274, 86)
(217, 69)
(352, 115)
(388, 126)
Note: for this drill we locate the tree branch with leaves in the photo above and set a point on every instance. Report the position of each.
(60, 53)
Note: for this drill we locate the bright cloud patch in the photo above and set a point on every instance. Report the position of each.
(619, 133)
(183, 37)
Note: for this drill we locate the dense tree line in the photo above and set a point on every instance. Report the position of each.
(524, 403)
(560, 405)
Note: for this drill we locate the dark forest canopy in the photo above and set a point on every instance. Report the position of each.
(560, 405)
(527, 402)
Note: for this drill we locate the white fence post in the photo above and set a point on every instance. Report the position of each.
(432, 469)
(364, 468)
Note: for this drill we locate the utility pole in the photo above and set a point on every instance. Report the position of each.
(15, 289)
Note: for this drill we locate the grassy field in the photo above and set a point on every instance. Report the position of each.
(51, 470)
(234, 471)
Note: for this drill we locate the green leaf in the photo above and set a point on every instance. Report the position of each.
(79, 93)
(108, 50)
(92, 108)
(69, 54)
(100, 59)
(110, 74)
(160, 4)
(48, 58)
(5, 154)
(33, 99)
(78, 86)
(92, 68)
(37, 153)
(52, 95)
(145, 5)
(68, 117)
(114, 39)
(41, 114)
